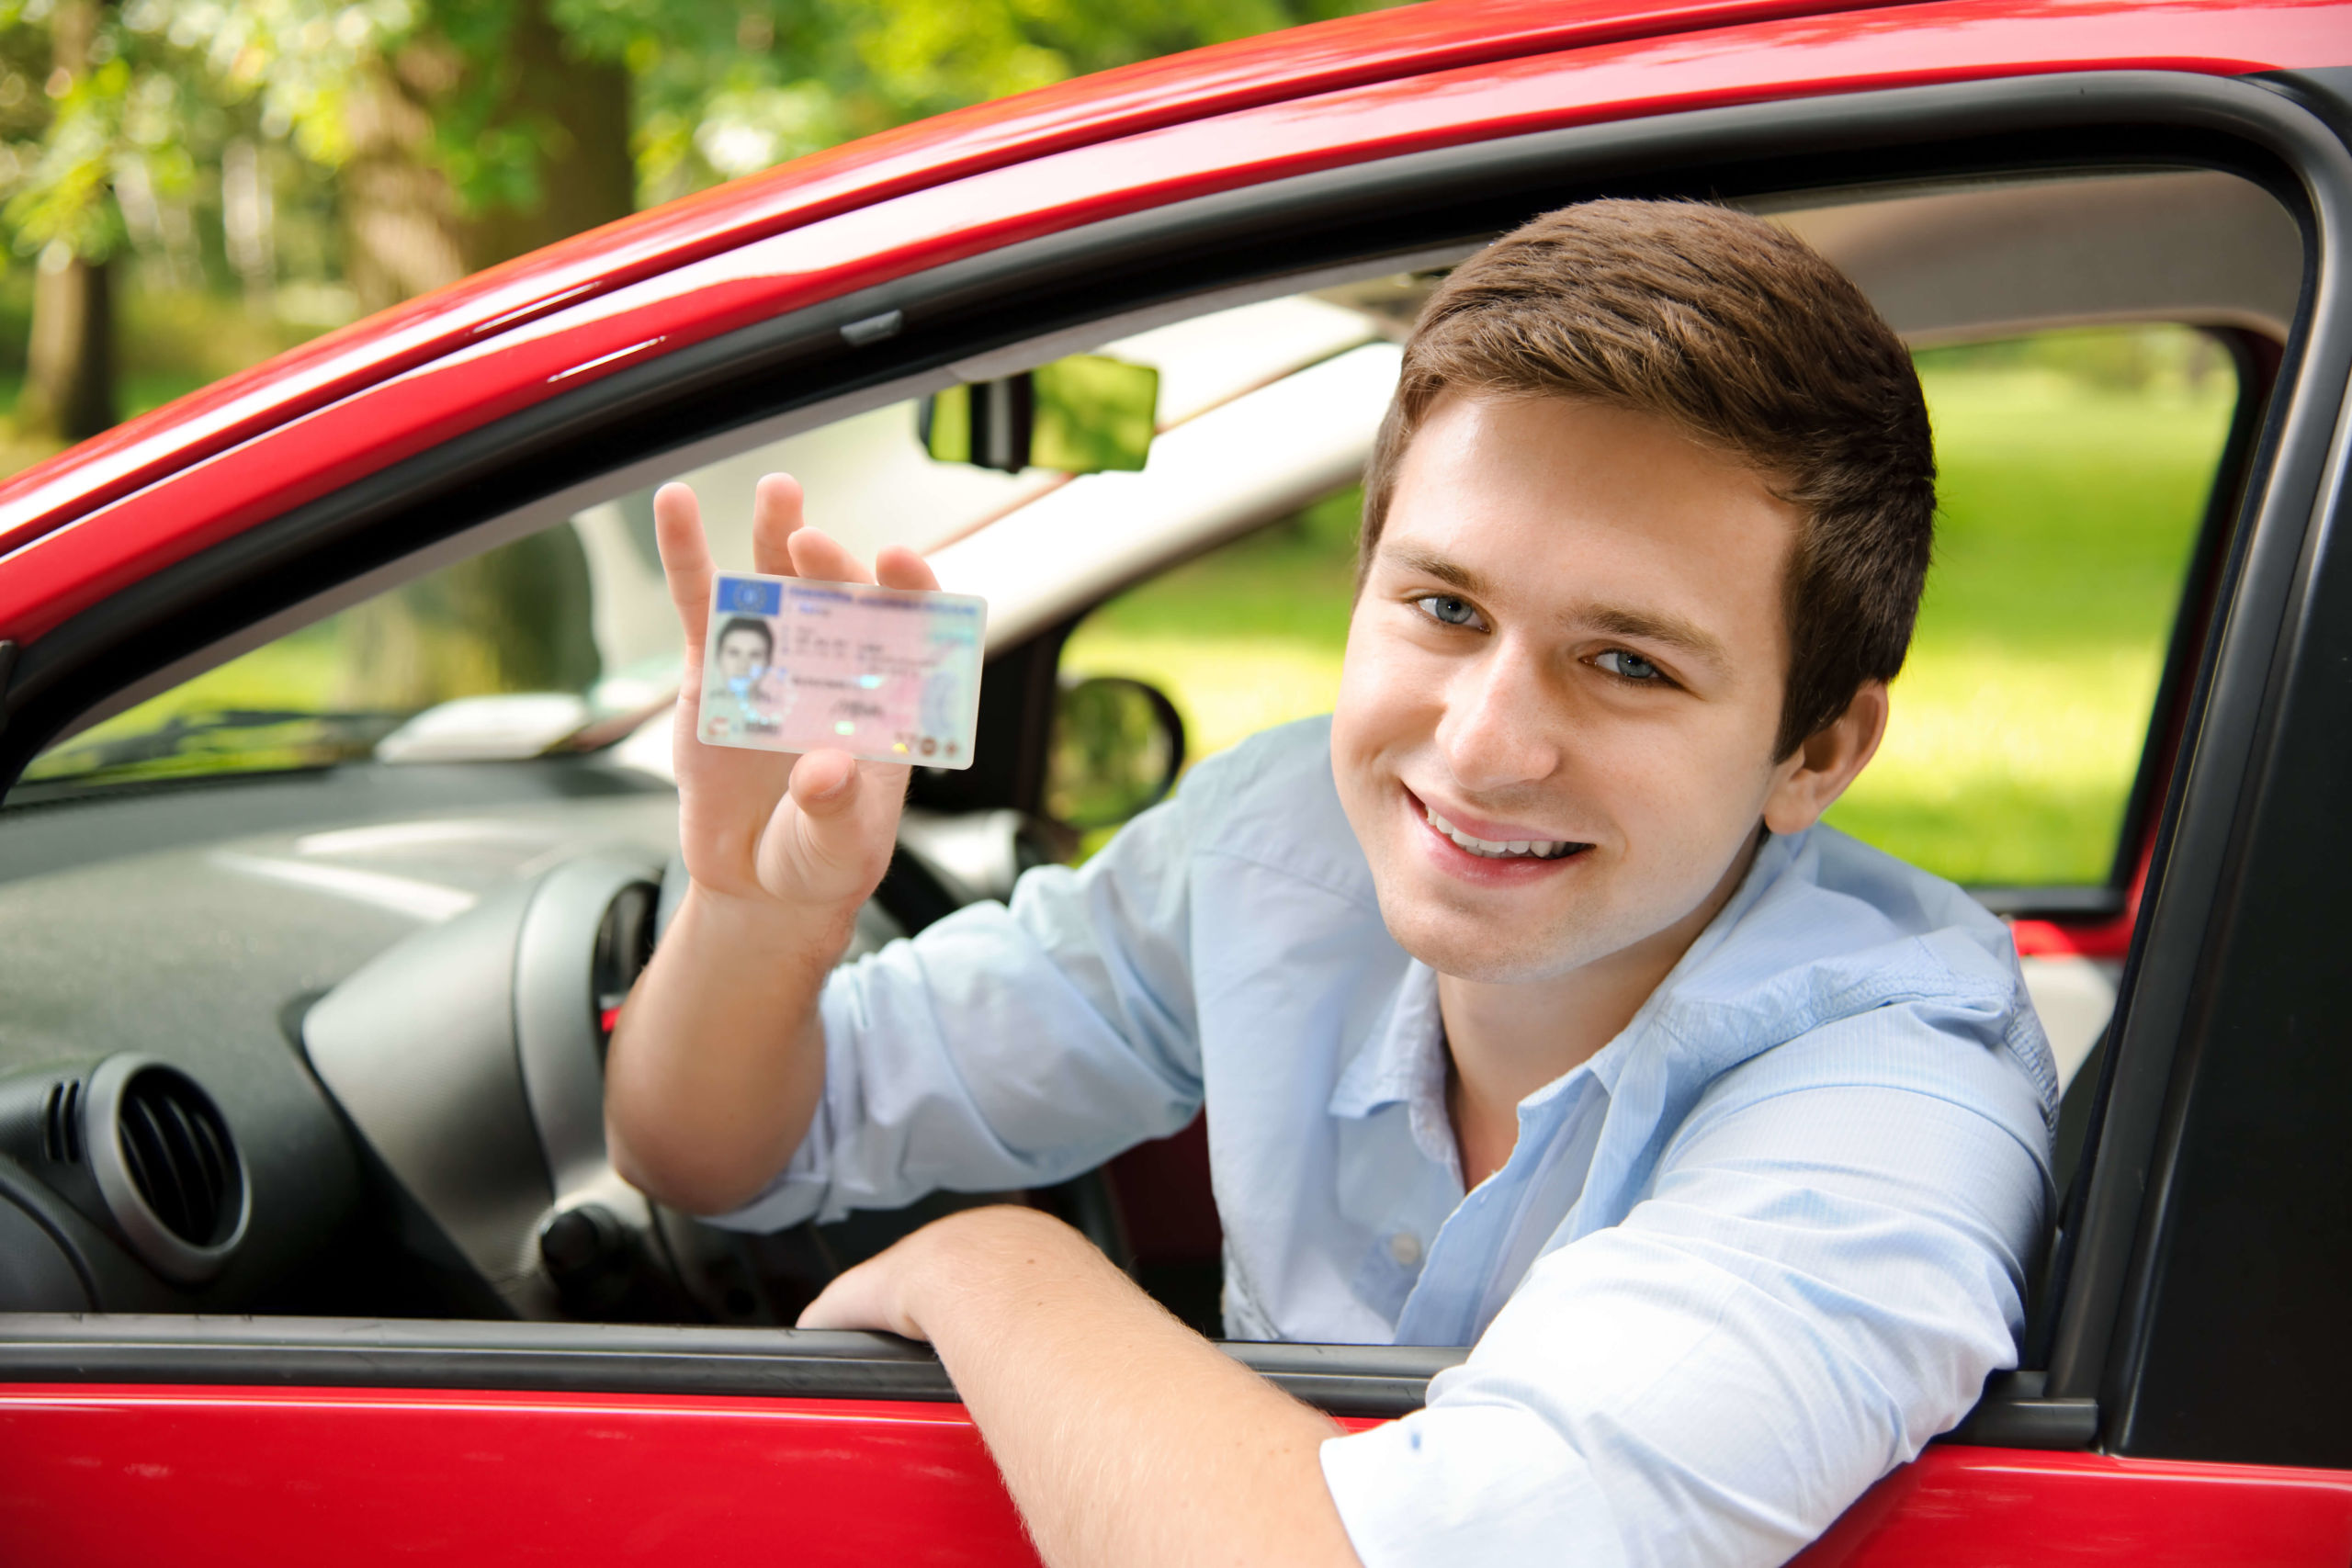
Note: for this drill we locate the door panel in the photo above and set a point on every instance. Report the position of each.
(1971, 1507)
(355, 1477)
(96, 1473)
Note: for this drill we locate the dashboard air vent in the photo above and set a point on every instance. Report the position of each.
(180, 1157)
(61, 1122)
(167, 1165)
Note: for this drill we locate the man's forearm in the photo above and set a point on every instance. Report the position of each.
(719, 1059)
(1125, 1439)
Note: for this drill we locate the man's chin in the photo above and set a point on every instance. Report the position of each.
(1490, 951)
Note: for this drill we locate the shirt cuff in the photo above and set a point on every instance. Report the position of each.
(1488, 1485)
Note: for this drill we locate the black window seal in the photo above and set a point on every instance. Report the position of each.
(602, 1358)
(2097, 121)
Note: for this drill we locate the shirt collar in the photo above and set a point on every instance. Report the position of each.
(1404, 1061)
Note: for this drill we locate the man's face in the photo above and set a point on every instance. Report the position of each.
(1570, 635)
(742, 655)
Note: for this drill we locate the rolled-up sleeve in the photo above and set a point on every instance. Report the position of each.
(1818, 1281)
(1008, 1046)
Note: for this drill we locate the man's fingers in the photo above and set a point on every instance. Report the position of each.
(817, 554)
(899, 567)
(863, 1297)
(686, 560)
(775, 513)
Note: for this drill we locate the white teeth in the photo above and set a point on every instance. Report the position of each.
(1542, 849)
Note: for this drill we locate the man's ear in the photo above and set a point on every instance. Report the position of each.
(1809, 779)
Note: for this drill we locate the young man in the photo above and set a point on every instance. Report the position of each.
(1532, 1010)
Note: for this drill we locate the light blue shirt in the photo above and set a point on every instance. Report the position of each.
(1744, 1260)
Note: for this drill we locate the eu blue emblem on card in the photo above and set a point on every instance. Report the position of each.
(749, 595)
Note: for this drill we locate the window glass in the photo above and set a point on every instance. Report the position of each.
(1242, 638)
(572, 631)
(2074, 472)
(549, 617)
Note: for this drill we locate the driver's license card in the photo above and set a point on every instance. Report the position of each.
(889, 674)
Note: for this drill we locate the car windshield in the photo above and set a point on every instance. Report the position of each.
(566, 639)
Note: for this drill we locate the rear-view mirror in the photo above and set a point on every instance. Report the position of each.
(1086, 414)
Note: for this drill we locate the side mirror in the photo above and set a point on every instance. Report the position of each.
(1118, 746)
(1085, 414)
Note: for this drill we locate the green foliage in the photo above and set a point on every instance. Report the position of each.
(727, 91)
(120, 124)
(297, 63)
(2077, 468)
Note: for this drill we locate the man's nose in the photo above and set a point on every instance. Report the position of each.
(1501, 726)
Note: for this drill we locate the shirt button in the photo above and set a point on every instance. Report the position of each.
(1405, 1247)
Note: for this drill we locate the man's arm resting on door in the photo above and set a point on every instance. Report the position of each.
(1125, 1437)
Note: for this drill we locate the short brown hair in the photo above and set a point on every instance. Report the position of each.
(1741, 335)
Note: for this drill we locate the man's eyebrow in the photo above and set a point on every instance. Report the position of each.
(1427, 564)
(1655, 626)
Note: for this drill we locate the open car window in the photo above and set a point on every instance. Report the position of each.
(2075, 468)
(566, 636)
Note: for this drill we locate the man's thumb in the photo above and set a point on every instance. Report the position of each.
(824, 784)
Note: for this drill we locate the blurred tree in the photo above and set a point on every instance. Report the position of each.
(63, 212)
(725, 90)
(514, 619)
(461, 132)
(116, 137)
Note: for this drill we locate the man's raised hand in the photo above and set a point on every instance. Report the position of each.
(810, 832)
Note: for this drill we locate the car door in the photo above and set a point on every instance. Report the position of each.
(2181, 1410)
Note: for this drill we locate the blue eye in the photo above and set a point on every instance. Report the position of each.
(1446, 608)
(1631, 666)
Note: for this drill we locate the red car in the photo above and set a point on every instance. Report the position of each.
(308, 1245)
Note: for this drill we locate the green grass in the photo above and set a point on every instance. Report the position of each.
(2075, 473)
(295, 673)
(2070, 508)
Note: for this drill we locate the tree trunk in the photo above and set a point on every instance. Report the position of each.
(399, 216)
(404, 231)
(588, 177)
(514, 619)
(69, 392)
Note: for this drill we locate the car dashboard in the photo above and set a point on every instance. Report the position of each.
(332, 1042)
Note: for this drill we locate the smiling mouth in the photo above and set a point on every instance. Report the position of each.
(1520, 849)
